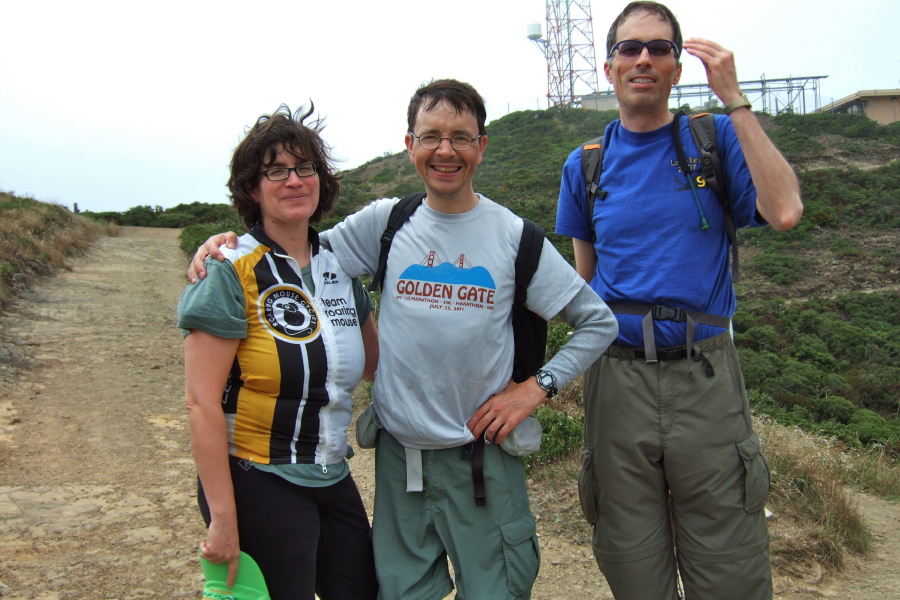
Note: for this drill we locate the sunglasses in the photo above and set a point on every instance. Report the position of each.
(633, 48)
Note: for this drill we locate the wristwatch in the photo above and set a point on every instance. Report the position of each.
(735, 104)
(547, 381)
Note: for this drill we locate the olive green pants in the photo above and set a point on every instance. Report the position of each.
(652, 430)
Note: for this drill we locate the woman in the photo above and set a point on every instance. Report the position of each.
(277, 337)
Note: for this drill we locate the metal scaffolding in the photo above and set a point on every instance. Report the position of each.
(569, 50)
(772, 96)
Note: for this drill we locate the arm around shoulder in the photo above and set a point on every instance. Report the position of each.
(210, 247)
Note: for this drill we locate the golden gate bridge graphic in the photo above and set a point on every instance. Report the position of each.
(432, 260)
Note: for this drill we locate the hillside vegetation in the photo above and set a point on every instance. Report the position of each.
(36, 238)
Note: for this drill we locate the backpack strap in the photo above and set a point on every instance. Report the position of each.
(703, 130)
(591, 167)
(529, 328)
(400, 214)
(530, 246)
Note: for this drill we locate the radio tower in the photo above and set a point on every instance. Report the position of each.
(569, 50)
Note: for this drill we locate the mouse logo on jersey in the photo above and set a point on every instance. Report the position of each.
(288, 314)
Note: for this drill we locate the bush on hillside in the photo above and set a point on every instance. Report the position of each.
(36, 238)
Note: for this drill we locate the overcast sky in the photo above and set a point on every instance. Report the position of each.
(112, 105)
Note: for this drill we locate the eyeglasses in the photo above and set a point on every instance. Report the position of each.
(283, 173)
(633, 48)
(460, 143)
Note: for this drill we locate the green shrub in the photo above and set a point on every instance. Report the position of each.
(759, 367)
(780, 268)
(814, 125)
(801, 378)
(384, 176)
(758, 337)
(743, 320)
(834, 408)
(191, 237)
(810, 347)
(557, 335)
(562, 434)
(870, 427)
(877, 386)
(760, 401)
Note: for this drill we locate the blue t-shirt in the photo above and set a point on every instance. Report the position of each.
(650, 247)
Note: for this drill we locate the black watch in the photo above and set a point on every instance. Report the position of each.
(547, 381)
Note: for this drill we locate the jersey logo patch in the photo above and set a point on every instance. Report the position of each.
(288, 314)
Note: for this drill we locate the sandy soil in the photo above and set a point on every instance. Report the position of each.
(97, 486)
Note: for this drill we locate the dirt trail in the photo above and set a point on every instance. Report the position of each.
(97, 485)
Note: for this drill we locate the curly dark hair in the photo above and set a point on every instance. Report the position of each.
(259, 149)
(655, 8)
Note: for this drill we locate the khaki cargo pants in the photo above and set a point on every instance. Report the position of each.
(652, 429)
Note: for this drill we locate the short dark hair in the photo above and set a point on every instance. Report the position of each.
(259, 149)
(461, 96)
(654, 8)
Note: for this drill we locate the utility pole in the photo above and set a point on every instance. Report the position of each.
(569, 50)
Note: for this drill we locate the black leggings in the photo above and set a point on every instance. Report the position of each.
(306, 540)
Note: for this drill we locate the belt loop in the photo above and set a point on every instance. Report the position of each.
(466, 452)
(478, 471)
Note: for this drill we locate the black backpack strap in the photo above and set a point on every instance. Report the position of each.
(703, 130)
(530, 246)
(591, 167)
(400, 214)
(529, 329)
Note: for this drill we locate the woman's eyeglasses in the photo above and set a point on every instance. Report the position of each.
(282, 173)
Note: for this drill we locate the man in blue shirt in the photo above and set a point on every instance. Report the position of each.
(667, 414)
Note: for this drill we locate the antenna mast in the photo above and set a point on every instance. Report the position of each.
(569, 50)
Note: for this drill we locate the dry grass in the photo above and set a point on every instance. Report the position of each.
(35, 240)
(816, 515)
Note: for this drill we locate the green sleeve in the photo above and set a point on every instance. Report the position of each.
(215, 304)
(364, 304)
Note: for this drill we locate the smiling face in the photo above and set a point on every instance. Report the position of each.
(643, 83)
(286, 203)
(447, 173)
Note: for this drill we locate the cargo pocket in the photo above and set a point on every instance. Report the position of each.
(756, 474)
(586, 486)
(521, 554)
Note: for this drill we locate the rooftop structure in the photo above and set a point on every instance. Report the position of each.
(878, 105)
